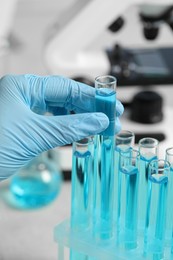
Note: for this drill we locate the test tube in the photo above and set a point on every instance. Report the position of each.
(82, 189)
(169, 218)
(128, 198)
(123, 141)
(104, 159)
(154, 235)
(148, 148)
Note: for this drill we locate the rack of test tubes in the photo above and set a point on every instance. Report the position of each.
(121, 195)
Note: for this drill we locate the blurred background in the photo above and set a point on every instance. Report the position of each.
(133, 41)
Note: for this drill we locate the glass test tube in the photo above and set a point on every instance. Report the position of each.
(123, 141)
(158, 178)
(169, 216)
(104, 159)
(82, 189)
(128, 198)
(148, 148)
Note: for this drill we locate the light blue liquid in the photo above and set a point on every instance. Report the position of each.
(81, 189)
(104, 187)
(127, 207)
(155, 218)
(143, 188)
(117, 182)
(32, 188)
(169, 217)
(97, 179)
(106, 103)
(81, 207)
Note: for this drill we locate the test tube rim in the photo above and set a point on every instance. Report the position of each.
(168, 149)
(126, 153)
(152, 144)
(166, 164)
(90, 141)
(127, 131)
(102, 84)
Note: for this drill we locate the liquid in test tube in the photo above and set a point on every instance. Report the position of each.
(104, 160)
(148, 148)
(82, 189)
(154, 234)
(169, 216)
(128, 199)
(124, 140)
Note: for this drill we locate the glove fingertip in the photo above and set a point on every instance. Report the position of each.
(101, 121)
(119, 108)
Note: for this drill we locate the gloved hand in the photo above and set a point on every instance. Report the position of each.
(25, 130)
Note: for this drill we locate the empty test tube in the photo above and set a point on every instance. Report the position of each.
(82, 189)
(128, 198)
(169, 217)
(148, 148)
(154, 235)
(104, 159)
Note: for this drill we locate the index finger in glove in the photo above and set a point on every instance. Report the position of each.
(64, 92)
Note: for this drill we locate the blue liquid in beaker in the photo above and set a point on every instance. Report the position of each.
(36, 185)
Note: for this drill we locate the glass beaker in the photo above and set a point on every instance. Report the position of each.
(148, 148)
(154, 235)
(37, 184)
(128, 198)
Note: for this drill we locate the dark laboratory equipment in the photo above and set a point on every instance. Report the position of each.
(146, 107)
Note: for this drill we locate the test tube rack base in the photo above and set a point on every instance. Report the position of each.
(83, 242)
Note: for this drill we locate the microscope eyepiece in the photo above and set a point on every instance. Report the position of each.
(151, 31)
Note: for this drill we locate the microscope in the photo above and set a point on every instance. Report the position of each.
(85, 44)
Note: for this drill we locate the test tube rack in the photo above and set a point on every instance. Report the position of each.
(103, 238)
(83, 242)
(69, 239)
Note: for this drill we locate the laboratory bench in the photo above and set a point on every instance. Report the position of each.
(28, 234)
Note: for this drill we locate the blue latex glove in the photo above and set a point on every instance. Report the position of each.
(26, 131)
